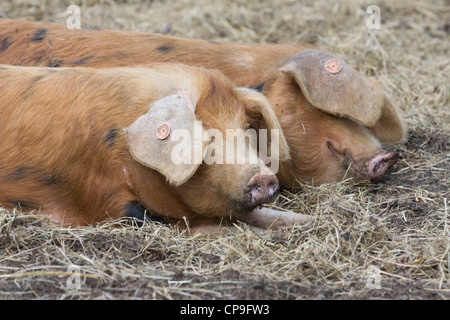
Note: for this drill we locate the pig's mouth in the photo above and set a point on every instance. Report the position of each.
(257, 195)
(260, 189)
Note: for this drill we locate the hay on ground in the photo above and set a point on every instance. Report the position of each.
(366, 241)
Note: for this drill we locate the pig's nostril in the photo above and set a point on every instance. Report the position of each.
(262, 189)
(379, 165)
(272, 188)
(256, 192)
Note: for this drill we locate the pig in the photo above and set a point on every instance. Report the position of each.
(82, 145)
(334, 119)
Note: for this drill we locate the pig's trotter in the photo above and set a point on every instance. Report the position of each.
(266, 218)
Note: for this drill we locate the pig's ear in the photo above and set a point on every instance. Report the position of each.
(150, 140)
(261, 113)
(390, 127)
(333, 87)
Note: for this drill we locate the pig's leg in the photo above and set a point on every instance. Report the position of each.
(266, 218)
(259, 220)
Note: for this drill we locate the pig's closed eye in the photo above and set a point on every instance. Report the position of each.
(332, 149)
(343, 157)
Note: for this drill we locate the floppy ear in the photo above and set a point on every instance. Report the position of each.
(333, 87)
(390, 127)
(260, 110)
(150, 140)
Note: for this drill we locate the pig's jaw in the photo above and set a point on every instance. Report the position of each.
(254, 197)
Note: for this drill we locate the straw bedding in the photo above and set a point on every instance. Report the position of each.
(366, 241)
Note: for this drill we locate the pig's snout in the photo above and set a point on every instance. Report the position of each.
(379, 165)
(261, 188)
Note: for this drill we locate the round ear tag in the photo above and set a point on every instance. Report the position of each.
(333, 66)
(163, 131)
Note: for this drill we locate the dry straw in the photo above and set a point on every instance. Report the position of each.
(366, 241)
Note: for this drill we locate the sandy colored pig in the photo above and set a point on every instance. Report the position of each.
(334, 122)
(82, 145)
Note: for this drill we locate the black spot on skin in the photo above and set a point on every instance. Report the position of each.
(135, 210)
(213, 42)
(165, 49)
(138, 213)
(4, 44)
(81, 61)
(51, 179)
(29, 92)
(19, 174)
(31, 173)
(39, 35)
(55, 64)
(110, 138)
(258, 87)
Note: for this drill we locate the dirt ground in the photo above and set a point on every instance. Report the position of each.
(389, 240)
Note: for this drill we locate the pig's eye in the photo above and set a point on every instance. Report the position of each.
(342, 155)
(333, 149)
